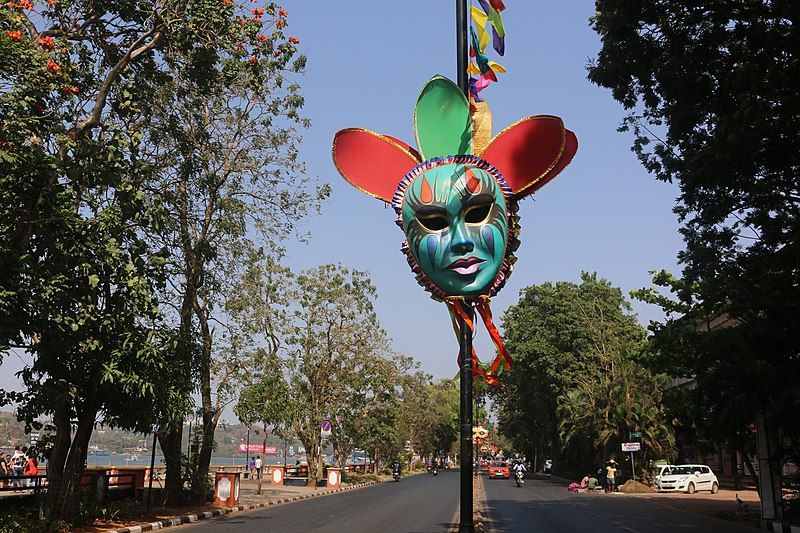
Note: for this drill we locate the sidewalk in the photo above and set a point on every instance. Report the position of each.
(248, 499)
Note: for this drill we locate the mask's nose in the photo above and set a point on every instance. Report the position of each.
(462, 240)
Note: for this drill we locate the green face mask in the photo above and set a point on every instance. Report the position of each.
(455, 214)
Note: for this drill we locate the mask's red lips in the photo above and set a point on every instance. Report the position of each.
(468, 265)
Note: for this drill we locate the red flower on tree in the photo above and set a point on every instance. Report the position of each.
(15, 35)
(294, 40)
(282, 12)
(258, 13)
(227, 2)
(263, 38)
(22, 4)
(280, 24)
(46, 42)
(253, 60)
(71, 89)
(52, 66)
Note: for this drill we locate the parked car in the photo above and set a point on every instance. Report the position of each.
(686, 478)
(499, 469)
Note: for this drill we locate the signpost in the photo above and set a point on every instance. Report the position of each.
(156, 429)
(325, 429)
(632, 447)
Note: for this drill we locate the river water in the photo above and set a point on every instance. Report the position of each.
(144, 460)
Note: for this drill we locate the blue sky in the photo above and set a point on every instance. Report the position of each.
(368, 61)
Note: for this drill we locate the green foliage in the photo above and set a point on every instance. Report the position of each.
(712, 93)
(84, 211)
(576, 388)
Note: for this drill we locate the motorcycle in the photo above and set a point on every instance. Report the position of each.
(518, 474)
(396, 475)
(435, 471)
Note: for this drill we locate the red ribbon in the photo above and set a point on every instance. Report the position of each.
(491, 376)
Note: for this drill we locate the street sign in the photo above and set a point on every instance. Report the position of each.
(631, 446)
(326, 428)
(34, 438)
(636, 435)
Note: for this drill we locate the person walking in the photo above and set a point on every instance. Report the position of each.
(259, 466)
(251, 467)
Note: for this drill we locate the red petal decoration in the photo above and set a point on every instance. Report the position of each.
(531, 152)
(425, 194)
(473, 183)
(372, 162)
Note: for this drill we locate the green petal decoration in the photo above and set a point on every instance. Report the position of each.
(441, 120)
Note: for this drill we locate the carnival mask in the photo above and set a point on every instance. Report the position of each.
(456, 199)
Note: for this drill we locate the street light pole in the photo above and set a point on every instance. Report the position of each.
(466, 523)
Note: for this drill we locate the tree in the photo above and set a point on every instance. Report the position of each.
(713, 106)
(80, 216)
(576, 388)
(78, 282)
(224, 146)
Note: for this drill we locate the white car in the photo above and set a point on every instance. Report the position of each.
(686, 478)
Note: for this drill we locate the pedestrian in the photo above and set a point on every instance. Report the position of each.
(585, 481)
(611, 475)
(5, 470)
(18, 461)
(593, 483)
(31, 467)
(259, 466)
(251, 467)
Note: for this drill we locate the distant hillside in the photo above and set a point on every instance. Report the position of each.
(228, 438)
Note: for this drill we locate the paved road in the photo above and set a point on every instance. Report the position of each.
(548, 507)
(421, 503)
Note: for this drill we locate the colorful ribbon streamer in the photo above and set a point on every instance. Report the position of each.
(502, 362)
(484, 71)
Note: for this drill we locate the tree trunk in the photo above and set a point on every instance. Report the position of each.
(58, 454)
(209, 412)
(171, 446)
(62, 499)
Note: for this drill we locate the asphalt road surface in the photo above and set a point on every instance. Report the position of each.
(421, 503)
(548, 507)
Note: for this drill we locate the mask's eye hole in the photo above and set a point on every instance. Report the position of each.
(432, 222)
(477, 214)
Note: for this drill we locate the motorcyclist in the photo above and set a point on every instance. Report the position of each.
(519, 469)
(396, 469)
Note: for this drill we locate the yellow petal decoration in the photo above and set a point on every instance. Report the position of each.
(473, 69)
(481, 126)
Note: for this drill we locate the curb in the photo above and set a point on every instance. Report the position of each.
(191, 518)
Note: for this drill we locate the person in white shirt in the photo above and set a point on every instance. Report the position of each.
(259, 466)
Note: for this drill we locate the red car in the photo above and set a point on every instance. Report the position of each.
(498, 469)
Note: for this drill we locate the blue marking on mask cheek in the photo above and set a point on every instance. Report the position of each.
(488, 238)
(432, 244)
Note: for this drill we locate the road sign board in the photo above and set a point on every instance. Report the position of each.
(326, 428)
(631, 446)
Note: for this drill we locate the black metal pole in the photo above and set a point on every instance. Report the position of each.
(465, 360)
(152, 467)
(461, 45)
(466, 523)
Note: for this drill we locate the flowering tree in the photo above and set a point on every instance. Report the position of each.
(80, 270)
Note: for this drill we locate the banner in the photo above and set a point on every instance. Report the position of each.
(258, 448)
